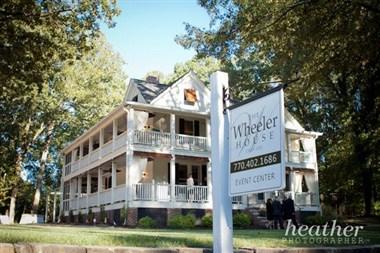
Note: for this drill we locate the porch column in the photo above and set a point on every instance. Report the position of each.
(113, 177)
(129, 154)
(114, 132)
(99, 184)
(101, 141)
(61, 200)
(54, 206)
(292, 178)
(90, 143)
(172, 131)
(289, 147)
(79, 190)
(88, 185)
(208, 134)
(81, 151)
(209, 182)
(172, 178)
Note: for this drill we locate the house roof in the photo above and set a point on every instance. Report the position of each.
(149, 90)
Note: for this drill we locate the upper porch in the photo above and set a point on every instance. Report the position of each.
(140, 129)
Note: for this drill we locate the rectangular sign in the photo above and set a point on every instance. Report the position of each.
(256, 144)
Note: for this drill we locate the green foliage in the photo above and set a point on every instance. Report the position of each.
(242, 220)
(90, 216)
(316, 219)
(376, 207)
(123, 215)
(147, 222)
(207, 221)
(203, 67)
(37, 39)
(182, 221)
(332, 71)
(80, 217)
(103, 215)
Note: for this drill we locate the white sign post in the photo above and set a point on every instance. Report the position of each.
(256, 144)
(221, 202)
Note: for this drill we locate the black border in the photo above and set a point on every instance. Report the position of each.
(257, 96)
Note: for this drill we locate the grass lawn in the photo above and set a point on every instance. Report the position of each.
(163, 238)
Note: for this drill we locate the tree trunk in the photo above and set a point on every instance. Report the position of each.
(41, 172)
(367, 191)
(12, 206)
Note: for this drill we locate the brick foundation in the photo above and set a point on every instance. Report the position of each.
(132, 217)
(171, 212)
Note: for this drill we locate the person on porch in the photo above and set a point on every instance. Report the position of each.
(190, 188)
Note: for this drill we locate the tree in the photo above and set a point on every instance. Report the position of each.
(328, 50)
(35, 38)
(81, 86)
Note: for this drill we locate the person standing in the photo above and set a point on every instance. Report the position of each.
(269, 209)
(190, 186)
(277, 213)
(289, 210)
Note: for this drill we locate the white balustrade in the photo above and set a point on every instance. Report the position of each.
(74, 166)
(106, 149)
(119, 193)
(94, 155)
(191, 193)
(93, 199)
(105, 197)
(120, 141)
(151, 138)
(151, 192)
(188, 142)
(66, 205)
(306, 199)
(300, 157)
(83, 202)
(74, 204)
(84, 161)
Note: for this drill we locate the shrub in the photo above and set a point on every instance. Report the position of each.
(103, 215)
(207, 221)
(376, 207)
(80, 217)
(147, 222)
(90, 216)
(316, 219)
(242, 220)
(182, 221)
(123, 215)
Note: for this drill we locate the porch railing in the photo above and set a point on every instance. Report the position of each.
(187, 142)
(300, 157)
(306, 199)
(151, 138)
(161, 192)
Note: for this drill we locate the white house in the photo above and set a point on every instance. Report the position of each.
(140, 156)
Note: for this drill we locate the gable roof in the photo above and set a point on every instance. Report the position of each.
(149, 91)
(189, 74)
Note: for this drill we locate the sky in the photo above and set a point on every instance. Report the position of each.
(145, 31)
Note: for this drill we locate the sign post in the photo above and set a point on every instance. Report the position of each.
(257, 135)
(222, 205)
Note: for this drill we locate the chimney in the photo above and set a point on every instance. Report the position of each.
(152, 79)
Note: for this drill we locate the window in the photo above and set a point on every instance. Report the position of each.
(181, 173)
(85, 148)
(121, 124)
(189, 127)
(76, 154)
(95, 141)
(107, 133)
(304, 185)
(287, 182)
(135, 98)
(190, 96)
(68, 158)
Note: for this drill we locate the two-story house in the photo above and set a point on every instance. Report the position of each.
(141, 154)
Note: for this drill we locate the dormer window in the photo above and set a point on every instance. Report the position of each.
(190, 96)
(135, 98)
